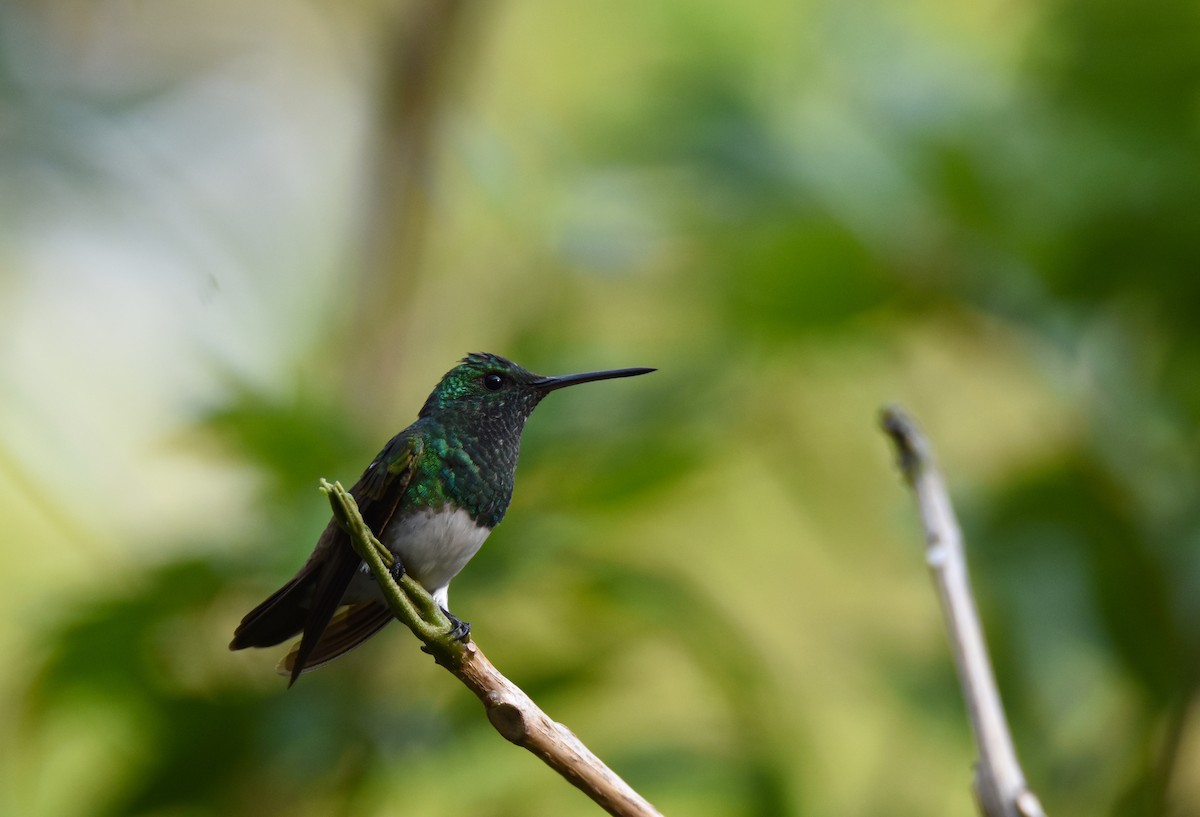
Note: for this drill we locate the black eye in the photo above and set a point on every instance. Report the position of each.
(492, 382)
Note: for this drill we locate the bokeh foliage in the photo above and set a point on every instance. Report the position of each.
(245, 241)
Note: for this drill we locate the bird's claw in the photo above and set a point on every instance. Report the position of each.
(397, 570)
(459, 630)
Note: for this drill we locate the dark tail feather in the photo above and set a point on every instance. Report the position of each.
(332, 582)
(348, 628)
(278, 618)
(305, 604)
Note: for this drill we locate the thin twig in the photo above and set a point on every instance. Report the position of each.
(511, 711)
(999, 783)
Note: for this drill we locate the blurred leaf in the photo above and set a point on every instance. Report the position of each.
(295, 440)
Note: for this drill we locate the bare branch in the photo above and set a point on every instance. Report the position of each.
(511, 711)
(999, 783)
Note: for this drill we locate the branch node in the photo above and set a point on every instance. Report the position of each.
(508, 719)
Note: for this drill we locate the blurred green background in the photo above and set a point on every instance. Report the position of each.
(240, 242)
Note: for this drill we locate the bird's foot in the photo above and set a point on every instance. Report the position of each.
(460, 630)
(397, 570)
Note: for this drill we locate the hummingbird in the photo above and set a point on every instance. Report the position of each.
(431, 496)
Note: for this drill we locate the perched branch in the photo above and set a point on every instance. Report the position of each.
(999, 783)
(511, 711)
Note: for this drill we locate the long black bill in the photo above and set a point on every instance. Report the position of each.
(549, 384)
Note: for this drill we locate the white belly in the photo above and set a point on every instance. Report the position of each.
(433, 547)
